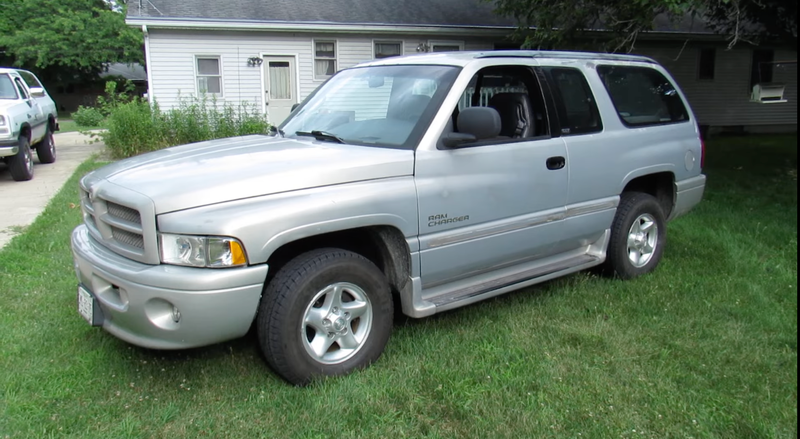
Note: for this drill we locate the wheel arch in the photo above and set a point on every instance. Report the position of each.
(658, 181)
(384, 245)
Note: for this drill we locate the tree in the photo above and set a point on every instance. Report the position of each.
(67, 40)
(545, 23)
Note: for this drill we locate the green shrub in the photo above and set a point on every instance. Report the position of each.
(136, 127)
(88, 117)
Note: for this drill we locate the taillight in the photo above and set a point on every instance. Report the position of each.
(702, 154)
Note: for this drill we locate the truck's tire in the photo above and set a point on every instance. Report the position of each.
(325, 313)
(638, 236)
(21, 164)
(46, 149)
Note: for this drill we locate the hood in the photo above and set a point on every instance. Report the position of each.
(222, 170)
(7, 103)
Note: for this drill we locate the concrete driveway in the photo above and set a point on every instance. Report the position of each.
(23, 201)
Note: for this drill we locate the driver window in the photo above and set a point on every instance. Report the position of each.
(22, 91)
(513, 92)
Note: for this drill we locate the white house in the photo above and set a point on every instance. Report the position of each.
(274, 53)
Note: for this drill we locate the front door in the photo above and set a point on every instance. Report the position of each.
(498, 203)
(280, 92)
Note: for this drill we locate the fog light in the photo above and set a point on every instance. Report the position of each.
(176, 314)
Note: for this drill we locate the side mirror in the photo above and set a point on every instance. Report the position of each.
(38, 92)
(455, 140)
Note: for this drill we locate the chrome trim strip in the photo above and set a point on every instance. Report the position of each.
(572, 211)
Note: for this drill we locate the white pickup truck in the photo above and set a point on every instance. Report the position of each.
(27, 120)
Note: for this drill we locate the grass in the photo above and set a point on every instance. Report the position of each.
(706, 347)
(69, 125)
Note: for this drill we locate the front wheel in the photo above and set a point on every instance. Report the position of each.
(638, 236)
(21, 164)
(325, 313)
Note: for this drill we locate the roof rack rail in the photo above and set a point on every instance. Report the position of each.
(564, 55)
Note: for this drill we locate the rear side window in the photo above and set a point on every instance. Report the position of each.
(29, 79)
(576, 107)
(643, 96)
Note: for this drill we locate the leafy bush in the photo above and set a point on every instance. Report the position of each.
(88, 117)
(135, 126)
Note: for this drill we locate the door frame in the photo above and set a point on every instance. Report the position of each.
(262, 68)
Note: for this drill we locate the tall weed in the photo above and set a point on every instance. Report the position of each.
(136, 127)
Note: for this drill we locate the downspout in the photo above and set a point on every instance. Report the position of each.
(148, 66)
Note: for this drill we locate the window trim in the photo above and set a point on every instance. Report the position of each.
(458, 43)
(375, 42)
(22, 89)
(314, 58)
(560, 108)
(197, 75)
(700, 52)
(629, 125)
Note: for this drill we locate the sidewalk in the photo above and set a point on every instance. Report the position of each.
(23, 201)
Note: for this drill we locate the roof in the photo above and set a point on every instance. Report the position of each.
(463, 58)
(387, 12)
(398, 13)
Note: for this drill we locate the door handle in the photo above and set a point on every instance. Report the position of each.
(556, 163)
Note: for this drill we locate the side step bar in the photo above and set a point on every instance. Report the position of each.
(498, 286)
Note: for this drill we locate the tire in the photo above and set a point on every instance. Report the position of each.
(638, 236)
(347, 304)
(21, 164)
(46, 149)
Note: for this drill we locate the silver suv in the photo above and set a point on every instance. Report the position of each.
(430, 181)
(28, 120)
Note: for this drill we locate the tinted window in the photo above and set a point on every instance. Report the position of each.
(643, 96)
(578, 113)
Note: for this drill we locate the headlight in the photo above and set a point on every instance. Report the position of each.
(201, 251)
(2, 121)
(3, 125)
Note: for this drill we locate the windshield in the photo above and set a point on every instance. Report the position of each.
(381, 106)
(7, 90)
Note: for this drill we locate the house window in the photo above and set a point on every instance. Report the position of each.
(385, 49)
(209, 75)
(706, 64)
(642, 96)
(762, 67)
(324, 59)
(446, 46)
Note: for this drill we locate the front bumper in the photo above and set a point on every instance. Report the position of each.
(137, 300)
(688, 194)
(8, 147)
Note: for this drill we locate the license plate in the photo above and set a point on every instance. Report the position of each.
(86, 305)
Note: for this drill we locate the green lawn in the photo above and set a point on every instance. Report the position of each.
(706, 347)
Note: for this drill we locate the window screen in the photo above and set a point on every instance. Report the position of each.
(578, 114)
(643, 96)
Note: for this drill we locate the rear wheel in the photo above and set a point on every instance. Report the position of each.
(325, 313)
(21, 164)
(46, 149)
(637, 236)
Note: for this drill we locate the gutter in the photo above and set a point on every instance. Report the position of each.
(150, 97)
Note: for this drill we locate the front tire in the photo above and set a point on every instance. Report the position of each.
(638, 236)
(21, 164)
(327, 312)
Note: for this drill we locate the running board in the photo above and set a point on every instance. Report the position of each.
(495, 287)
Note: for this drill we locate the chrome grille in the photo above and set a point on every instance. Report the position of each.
(127, 238)
(125, 213)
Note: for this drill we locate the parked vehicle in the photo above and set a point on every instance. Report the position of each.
(28, 119)
(439, 180)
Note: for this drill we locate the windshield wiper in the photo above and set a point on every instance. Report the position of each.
(321, 135)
